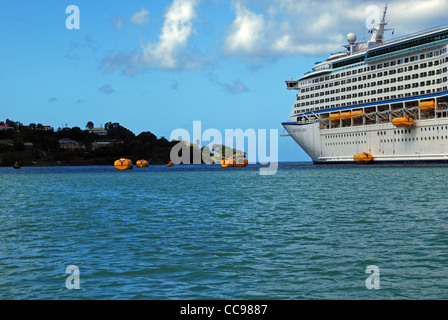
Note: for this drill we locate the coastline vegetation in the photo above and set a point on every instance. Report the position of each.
(39, 145)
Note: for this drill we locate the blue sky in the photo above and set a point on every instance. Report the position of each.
(160, 65)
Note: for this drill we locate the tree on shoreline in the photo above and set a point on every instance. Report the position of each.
(43, 147)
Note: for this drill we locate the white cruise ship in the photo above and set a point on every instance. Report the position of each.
(378, 101)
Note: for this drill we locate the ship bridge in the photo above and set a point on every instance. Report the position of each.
(292, 84)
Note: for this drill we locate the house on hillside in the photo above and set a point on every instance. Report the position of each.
(99, 131)
(70, 144)
(47, 128)
(99, 144)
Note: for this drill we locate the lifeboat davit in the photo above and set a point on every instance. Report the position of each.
(427, 106)
(123, 164)
(232, 162)
(170, 164)
(403, 122)
(142, 163)
(363, 157)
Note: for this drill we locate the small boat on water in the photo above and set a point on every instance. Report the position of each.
(142, 163)
(123, 164)
(234, 162)
(17, 165)
(170, 164)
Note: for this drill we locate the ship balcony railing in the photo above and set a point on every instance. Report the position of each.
(408, 36)
(397, 113)
(370, 116)
(384, 114)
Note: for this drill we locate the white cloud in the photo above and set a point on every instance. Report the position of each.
(261, 30)
(246, 32)
(176, 31)
(169, 52)
(294, 27)
(140, 17)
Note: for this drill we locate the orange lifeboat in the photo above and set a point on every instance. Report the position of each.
(232, 162)
(346, 115)
(363, 157)
(241, 162)
(403, 122)
(335, 116)
(427, 106)
(142, 163)
(356, 114)
(170, 164)
(123, 164)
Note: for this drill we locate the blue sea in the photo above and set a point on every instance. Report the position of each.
(308, 232)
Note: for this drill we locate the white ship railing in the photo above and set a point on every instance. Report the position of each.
(418, 33)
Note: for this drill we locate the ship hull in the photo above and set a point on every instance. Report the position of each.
(425, 142)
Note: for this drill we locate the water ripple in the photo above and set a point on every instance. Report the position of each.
(196, 232)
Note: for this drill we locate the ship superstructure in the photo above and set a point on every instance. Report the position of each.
(385, 99)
